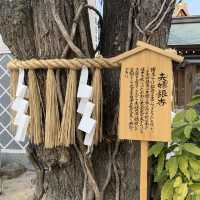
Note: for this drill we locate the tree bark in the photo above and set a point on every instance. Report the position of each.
(29, 30)
(116, 17)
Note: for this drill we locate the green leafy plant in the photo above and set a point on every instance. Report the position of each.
(177, 165)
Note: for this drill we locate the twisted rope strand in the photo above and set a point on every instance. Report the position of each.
(75, 63)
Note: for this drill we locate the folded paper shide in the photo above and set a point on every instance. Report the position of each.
(85, 108)
(20, 106)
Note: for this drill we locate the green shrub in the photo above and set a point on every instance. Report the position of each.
(177, 166)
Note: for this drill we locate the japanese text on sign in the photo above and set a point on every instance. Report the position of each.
(141, 100)
(145, 100)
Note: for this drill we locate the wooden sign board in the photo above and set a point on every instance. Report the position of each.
(146, 93)
(146, 97)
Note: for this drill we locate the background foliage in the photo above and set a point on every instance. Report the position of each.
(177, 165)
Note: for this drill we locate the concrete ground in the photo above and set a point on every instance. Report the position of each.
(20, 188)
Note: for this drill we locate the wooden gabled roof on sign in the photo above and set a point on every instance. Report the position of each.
(141, 46)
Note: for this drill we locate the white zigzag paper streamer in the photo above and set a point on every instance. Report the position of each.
(85, 108)
(20, 105)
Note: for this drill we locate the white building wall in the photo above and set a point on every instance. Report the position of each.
(8, 144)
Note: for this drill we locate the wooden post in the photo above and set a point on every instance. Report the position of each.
(143, 170)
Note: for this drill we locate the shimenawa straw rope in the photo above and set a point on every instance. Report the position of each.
(63, 63)
(63, 134)
(52, 122)
(97, 99)
(35, 132)
(68, 124)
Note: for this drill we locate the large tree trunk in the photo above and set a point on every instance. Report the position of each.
(29, 29)
(117, 40)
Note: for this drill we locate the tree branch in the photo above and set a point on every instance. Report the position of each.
(147, 32)
(163, 16)
(64, 32)
(117, 180)
(138, 27)
(93, 182)
(74, 27)
(85, 189)
(157, 16)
